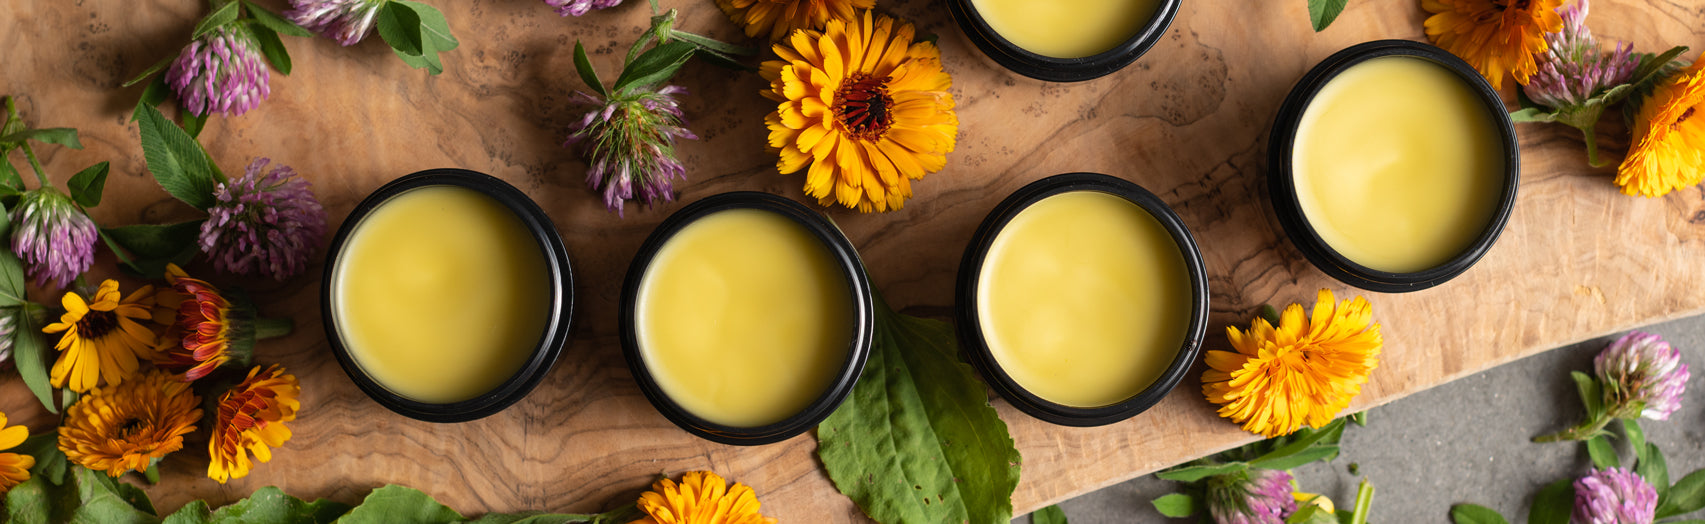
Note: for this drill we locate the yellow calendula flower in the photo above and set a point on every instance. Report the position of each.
(1497, 37)
(1304, 371)
(1669, 137)
(864, 106)
(251, 419)
(124, 427)
(14, 467)
(775, 19)
(702, 497)
(101, 338)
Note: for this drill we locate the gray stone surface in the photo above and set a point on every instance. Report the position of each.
(1466, 441)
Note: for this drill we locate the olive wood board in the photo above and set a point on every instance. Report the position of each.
(1189, 121)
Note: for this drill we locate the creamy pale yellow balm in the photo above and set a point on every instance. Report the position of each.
(1066, 28)
(1397, 164)
(442, 294)
(744, 318)
(1084, 299)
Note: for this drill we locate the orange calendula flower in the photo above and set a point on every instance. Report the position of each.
(14, 467)
(202, 328)
(251, 419)
(100, 339)
(1669, 137)
(127, 426)
(702, 497)
(1497, 37)
(775, 19)
(864, 106)
(1304, 371)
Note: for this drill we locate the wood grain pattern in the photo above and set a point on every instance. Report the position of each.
(1188, 121)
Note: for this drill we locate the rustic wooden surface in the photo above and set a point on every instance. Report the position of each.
(1188, 121)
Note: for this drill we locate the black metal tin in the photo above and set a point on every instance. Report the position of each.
(1052, 69)
(550, 342)
(970, 325)
(1282, 185)
(858, 285)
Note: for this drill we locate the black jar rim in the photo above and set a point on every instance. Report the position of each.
(851, 267)
(551, 341)
(970, 324)
(1282, 183)
(1054, 69)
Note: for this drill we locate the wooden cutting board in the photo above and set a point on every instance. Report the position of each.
(1188, 121)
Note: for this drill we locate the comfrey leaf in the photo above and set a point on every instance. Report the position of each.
(268, 504)
(89, 497)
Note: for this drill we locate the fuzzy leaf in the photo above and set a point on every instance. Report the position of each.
(917, 441)
(654, 66)
(1321, 13)
(87, 185)
(1177, 505)
(177, 162)
(277, 24)
(1195, 473)
(1553, 504)
(222, 15)
(1475, 514)
(394, 503)
(273, 48)
(266, 505)
(1048, 515)
(588, 74)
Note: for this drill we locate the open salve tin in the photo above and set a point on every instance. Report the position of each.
(1393, 166)
(746, 318)
(1082, 299)
(1064, 40)
(448, 295)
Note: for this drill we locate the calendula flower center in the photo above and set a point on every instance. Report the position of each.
(96, 324)
(861, 106)
(129, 427)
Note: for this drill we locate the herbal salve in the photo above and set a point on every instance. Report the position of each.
(744, 318)
(1397, 164)
(442, 294)
(1066, 28)
(1083, 299)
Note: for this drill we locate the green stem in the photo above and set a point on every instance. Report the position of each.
(1364, 503)
(1592, 147)
(41, 174)
(153, 472)
(266, 328)
(1584, 431)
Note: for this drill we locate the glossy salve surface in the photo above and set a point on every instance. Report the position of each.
(744, 318)
(1066, 28)
(1397, 164)
(441, 294)
(1084, 299)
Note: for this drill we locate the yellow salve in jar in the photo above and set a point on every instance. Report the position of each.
(1066, 28)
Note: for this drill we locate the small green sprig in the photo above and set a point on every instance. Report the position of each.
(1585, 117)
(657, 54)
(1279, 453)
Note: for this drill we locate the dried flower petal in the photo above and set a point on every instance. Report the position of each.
(264, 223)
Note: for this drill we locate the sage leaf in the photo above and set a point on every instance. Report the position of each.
(1475, 514)
(917, 441)
(64, 136)
(1048, 515)
(1655, 469)
(30, 354)
(176, 160)
(654, 66)
(1686, 496)
(271, 20)
(266, 505)
(394, 503)
(588, 74)
(151, 70)
(1177, 505)
(87, 185)
(399, 26)
(1321, 13)
(223, 14)
(1602, 453)
(273, 49)
(1195, 473)
(1553, 504)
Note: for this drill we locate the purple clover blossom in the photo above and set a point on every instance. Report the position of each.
(55, 240)
(223, 71)
(1614, 496)
(1642, 376)
(345, 21)
(1255, 496)
(580, 7)
(265, 223)
(629, 144)
(1573, 68)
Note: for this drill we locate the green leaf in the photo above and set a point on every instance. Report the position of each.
(221, 15)
(434, 29)
(399, 25)
(1602, 453)
(266, 505)
(1686, 496)
(710, 44)
(651, 34)
(917, 441)
(150, 246)
(1336, 427)
(1048, 515)
(176, 160)
(1364, 503)
(89, 497)
(1177, 505)
(589, 75)
(1553, 504)
(30, 353)
(12, 290)
(1321, 13)
(1636, 439)
(152, 96)
(1591, 396)
(193, 123)
(1655, 469)
(1301, 457)
(1360, 418)
(151, 70)
(273, 48)
(1195, 473)
(50, 461)
(1532, 115)
(87, 185)
(428, 61)
(277, 24)
(39, 502)
(654, 66)
(1475, 514)
(394, 503)
(64, 136)
(1310, 514)
(11, 183)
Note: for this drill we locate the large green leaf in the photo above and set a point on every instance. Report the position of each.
(1475, 514)
(399, 26)
(50, 461)
(1686, 496)
(32, 353)
(146, 248)
(1049, 515)
(266, 506)
(177, 162)
(395, 503)
(1553, 504)
(89, 498)
(917, 441)
(1602, 453)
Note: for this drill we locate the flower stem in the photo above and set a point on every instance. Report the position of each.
(266, 328)
(41, 174)
(1592, 146)
(1364, 503)
(1584, 431)
(153, 472)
